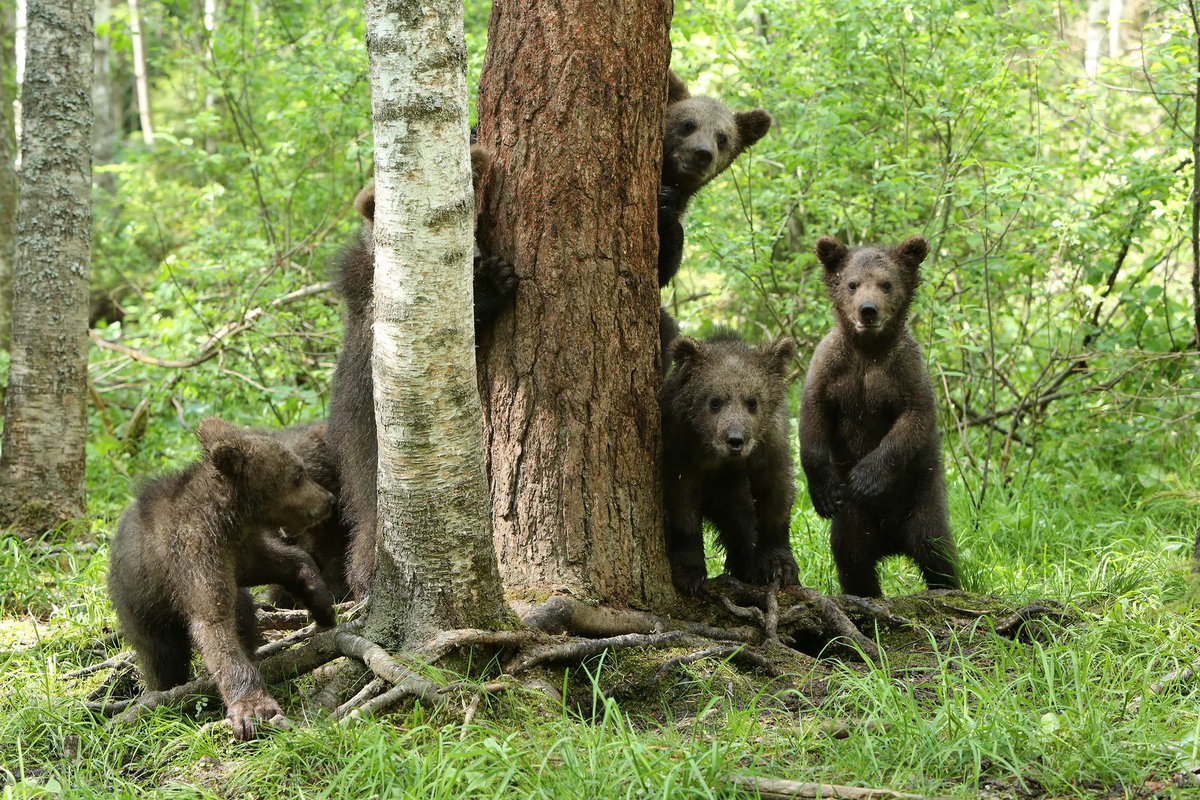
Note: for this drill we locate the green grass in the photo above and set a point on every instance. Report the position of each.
(1024, 718)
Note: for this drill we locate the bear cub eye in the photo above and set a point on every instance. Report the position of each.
(887, 287)
(752, 404)
(688, 127)
(298, 477)
(715, 404)
(852, 286)
(722, 141)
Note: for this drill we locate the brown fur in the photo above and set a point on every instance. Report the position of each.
(351, 430)
(329, 540)
(726, 458)
(192, 540)
(702, 137)
(868, 423)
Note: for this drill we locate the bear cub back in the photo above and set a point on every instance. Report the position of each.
(726, 458)
(868, 422)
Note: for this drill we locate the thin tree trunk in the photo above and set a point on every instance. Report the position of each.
(571, 102)
(104, 131)
(1196, 187)
(19, 45)
(42, 461)
(139, 72)
(435, 566)
(210, 97)
(8, 179)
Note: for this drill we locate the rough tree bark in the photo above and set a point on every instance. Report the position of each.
(8, 176)
(571, 103)
(139, 72)
(435, 566)
(42, 461)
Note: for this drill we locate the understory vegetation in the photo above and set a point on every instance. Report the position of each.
(1056, 316)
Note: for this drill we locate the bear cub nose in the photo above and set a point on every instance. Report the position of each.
(869, 312)
(703, 156)
(735, 442)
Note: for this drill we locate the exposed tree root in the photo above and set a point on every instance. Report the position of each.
(773, 789)
(565, 630)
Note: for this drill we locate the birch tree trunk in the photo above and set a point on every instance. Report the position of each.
(139, 72)
(571, 103)
(210, 98)
(42, 461)
(8, 176)
(435, 566)
(104, 131)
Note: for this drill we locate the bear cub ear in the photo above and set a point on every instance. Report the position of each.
(686, 351)
(911, 252)
(780, 353)
(222, 446)
(830, 252)
(676, 89)
(481, 159)
(365, 203)
(751, 126)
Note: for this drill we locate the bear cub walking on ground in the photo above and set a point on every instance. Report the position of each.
(726, 458)
(192, 540)
(868, 424)
(701, 139)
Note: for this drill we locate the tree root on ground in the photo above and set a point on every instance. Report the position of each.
(773, 789)
(766, 630)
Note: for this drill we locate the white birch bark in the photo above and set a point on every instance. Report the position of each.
(104, 131)
(19, 40)
(210, 98)
(139, 72)
(435, 563)
(42, 460)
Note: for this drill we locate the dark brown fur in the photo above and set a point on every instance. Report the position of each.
(868, 423)
(702, 137)
(351, 432)
(190, 543)
(329, 540)
(726, 458)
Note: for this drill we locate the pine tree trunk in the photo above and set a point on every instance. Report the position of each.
(435, 566)
(571, 103)
(139, 72)
(42, 461)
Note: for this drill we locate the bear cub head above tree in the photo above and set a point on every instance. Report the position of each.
(726, 458)
(702, 137)
(868, 422)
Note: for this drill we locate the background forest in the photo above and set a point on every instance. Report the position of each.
(1049, 161)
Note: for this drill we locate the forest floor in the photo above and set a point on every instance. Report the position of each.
(1062, 707)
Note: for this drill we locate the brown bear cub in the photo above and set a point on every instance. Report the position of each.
(701, 139)
(726, 458)
(868, 423)
(350, 435)
(329, 540)
(192, 540)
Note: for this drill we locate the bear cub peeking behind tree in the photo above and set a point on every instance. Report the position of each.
(868, 423)
(701, 139)
(192, 540)
(726, 458)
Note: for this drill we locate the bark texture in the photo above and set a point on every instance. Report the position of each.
(571, 103)
(435, 566)
(8, 182)
(42, 461)
(104, 130)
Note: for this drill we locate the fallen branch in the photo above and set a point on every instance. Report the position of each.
(214, 346)
(774, 789)
(1165, 682)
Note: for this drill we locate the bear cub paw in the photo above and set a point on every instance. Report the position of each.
(688, 571)
(243, 713)
(501, 275)
(776, 563)
(866, 482)
(827, 500)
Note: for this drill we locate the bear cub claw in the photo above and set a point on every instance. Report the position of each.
(776, 563)
(243, 713)
(688, 571)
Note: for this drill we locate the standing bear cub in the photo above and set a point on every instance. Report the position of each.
(701, 139)
(868, 427)
(192, 540)
(726, 458)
